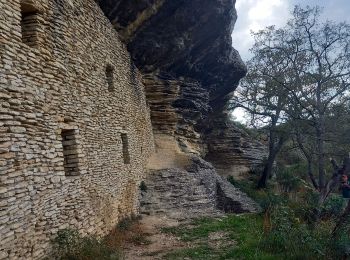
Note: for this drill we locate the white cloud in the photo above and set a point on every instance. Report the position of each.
(256, 15)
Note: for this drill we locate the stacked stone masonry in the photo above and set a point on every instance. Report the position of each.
(75, 132)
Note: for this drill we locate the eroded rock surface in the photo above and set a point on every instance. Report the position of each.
(231, 150)
(194, 192)
(185, 38)
(179, 108)
(184, 49)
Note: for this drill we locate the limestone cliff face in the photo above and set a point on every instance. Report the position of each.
(231, 150)
(179, 108)
(190, 68)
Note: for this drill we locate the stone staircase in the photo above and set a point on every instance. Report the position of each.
(176, 193)
(195, 192)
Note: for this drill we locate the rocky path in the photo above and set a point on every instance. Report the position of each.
(173, 197)
(195, 191)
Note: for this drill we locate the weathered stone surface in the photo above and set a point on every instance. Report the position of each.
(186, 50)
(179, 108)
(232, 151)
(54, 84)
(69, 94)
(191, 39)
(195, 192)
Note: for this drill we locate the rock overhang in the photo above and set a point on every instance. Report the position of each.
(190, 39)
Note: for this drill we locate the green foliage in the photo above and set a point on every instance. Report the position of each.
(292, 238)
(288, 177)
(289, 237)
(341, 245)
(290, 155)
(333, 207)
(243, 231)
(306, 208)
(69, 245)
(67, 241)
(232, 180)
(296, 227)
(265, 198)
(198, 252)
(269, 200)
(143, 186)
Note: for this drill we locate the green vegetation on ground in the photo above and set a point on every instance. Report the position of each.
(241, 239)
(290, 226)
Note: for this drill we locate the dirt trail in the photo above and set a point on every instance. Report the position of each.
(176, 196)
(158, 243)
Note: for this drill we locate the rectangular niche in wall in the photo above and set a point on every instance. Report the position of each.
(125, 143)
(70, 152)
(30, 24)
(110, 77)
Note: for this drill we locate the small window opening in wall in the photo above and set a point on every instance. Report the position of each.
(110, 77)
(30, 24)
(126, 155)
(70, 153)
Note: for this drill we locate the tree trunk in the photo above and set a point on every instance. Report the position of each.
(308, 157)
(274, 149)
(267, 170)
(320, 132)
(311, 175)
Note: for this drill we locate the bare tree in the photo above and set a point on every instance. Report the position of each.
(265, 100)
(310, 62)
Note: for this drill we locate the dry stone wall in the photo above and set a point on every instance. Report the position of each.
(75, 131)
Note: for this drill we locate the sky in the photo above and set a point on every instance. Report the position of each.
(257, 14)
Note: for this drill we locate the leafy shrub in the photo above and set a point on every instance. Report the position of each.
(270, 200)
(293, 238)
(265, 198)
(288, 179)
(340, 246)
(69, 245)
(296, 227)
(67, 242)
(306, 208)
(333, 207)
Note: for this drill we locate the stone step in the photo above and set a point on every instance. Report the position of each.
(193, 193)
